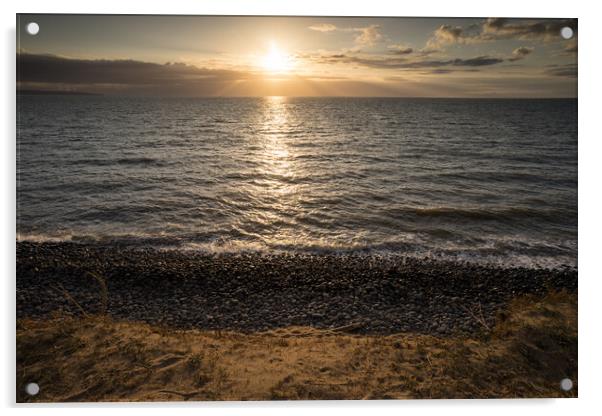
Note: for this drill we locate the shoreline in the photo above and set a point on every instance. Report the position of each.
(238, 248)
(258, 292)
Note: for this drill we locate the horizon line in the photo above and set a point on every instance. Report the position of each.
(87, 93)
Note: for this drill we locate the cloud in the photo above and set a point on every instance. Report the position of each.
(52, 68)
(57, 72)
(426, 51)
(446, 34)
(131, 77)
(543, 30)
(368, 35)
(520, 53)
(567, 70)
(400, 62)
(493, 29)
(400, 49)
(323, 27)
(571, 46)
(478, 61)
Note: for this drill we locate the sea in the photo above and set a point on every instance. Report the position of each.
(478, 180)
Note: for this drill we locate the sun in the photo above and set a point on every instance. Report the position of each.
(276, 60)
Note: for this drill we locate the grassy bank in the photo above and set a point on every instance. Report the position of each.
(532, 346)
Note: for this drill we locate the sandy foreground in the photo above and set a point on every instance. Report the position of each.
(527, 352)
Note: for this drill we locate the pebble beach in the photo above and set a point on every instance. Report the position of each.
(250, 292)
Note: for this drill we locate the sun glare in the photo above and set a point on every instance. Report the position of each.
(276, 60)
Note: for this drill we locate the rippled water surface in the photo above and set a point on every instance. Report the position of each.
(486, 180)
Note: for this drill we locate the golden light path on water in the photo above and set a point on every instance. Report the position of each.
(277, 155)
(276, 191)
(292, 206)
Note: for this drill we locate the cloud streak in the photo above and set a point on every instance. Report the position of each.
(323, 27)
(396, 62)
(567, 70)
(400, 49)
(520, 53)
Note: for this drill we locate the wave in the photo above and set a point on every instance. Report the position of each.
(491, 214)
(502, 253)
(127, 161)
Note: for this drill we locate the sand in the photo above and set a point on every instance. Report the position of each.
(529, 350)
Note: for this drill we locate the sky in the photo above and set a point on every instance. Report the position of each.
(298, 56)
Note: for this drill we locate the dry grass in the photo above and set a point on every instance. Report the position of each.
(531, 348)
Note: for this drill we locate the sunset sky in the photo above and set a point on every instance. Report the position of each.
(298, 56)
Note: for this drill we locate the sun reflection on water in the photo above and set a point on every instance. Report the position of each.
(277, 159)
(277, 194)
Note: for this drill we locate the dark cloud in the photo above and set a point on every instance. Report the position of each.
(494, 29)
(178, 78)
(55, 69)
(404, 63)
(440, 71)
(478, 61)
(501, 28)
(568, 70)
(400, 50)
(520, 53)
